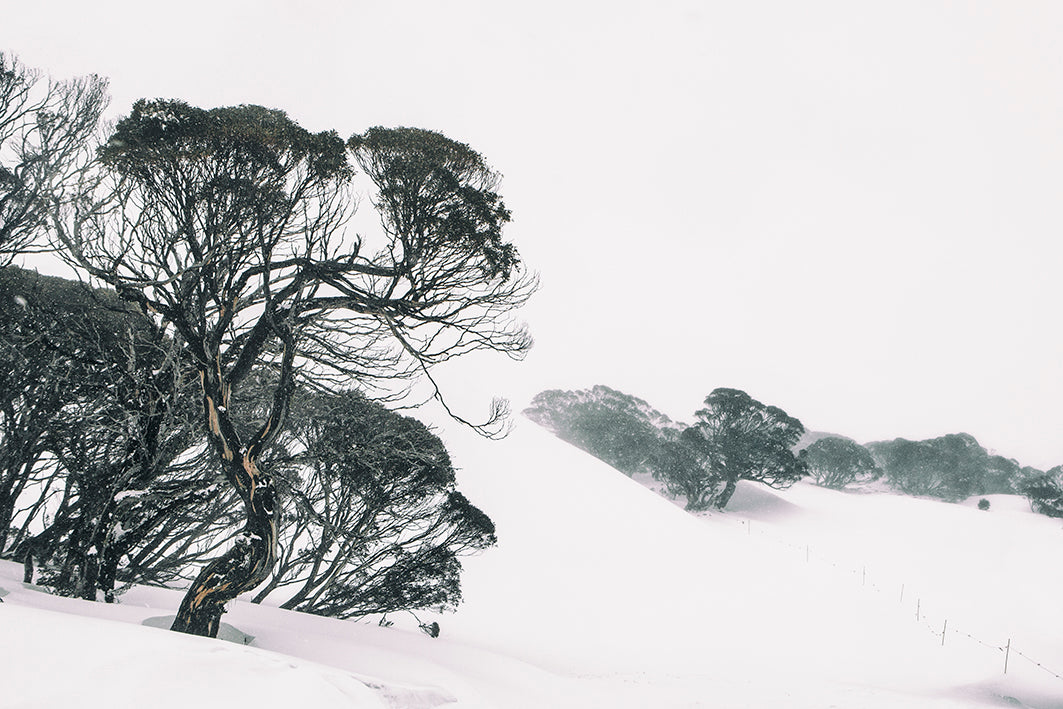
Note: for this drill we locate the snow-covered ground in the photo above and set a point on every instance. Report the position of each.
(603, 594)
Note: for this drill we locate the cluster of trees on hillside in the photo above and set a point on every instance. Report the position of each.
(837, 462)
(213, 377)
(737, 438)
(952, 467)
(734, 437)
(1044, 490)
(622, 430)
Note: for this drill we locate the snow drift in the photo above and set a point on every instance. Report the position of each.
(602, 593)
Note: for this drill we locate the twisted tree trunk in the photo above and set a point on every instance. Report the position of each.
(249, 561)
(244, 566)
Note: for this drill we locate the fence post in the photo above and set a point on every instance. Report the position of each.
(902, 593)
(918, 606)
(1007, 654)
(943, 631)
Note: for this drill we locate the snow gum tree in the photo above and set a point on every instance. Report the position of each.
(737, 438)
(227, 227)
(617, 428)
(951, 467)
(375, 523)
(1044, 490)
(47, 133)
(85, 414)
(836, 462)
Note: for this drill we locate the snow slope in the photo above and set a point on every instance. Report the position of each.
(603, 594)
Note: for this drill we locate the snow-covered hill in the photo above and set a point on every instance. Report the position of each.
(603, 594)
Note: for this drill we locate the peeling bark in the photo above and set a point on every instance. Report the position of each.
(249, 562)
(243, 567)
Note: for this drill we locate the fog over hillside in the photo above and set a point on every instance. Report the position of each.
(767, 219)
(849, 209)
(601, 593)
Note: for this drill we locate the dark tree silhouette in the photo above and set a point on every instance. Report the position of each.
(835, 462)
(227, 227)
(1044, 490)
(951, 467)
(738, 438)
(86, 414)
(376, 523)
(617, 428)
(47, 133)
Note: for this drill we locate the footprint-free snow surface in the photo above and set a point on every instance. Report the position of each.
(601, 593)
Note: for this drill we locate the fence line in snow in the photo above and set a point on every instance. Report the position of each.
(1008, 649)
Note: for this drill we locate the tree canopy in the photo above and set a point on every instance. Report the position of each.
(835, 462)
(950, 467)
(1044, 490)
(617, 428)
(376, 523)
(47, 134)
(92, 408)
(227, 227)
(737, 438)
(113, 487)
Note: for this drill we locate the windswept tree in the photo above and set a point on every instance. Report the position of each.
(682, 470)
(227, 226)
(88, 414)
(951, 467)
(376, 523)
(47, 134)
(617, 428)
(835, 462)
(738, 438)
(1044, 490)
(446, 281)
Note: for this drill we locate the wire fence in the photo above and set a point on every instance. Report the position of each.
(942, 628)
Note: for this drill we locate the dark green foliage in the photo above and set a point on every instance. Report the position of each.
(952, 467)
(377, 524)
(1044, 490)
(85, 417)
(58, 340)
(228, 227)
(1000, 476)
(437, 196)
(682, 470)
(932, 468)
(835, 462)
(738, 438)
(619, 429)
(983, 504)
(159, 135)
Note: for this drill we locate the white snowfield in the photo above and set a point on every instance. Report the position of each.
(603, 594)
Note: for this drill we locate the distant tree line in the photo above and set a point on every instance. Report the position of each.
(737, 438)
(952, 467)
(734, 437)
(200, 414)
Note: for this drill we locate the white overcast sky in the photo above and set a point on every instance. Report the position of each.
(851, 210)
